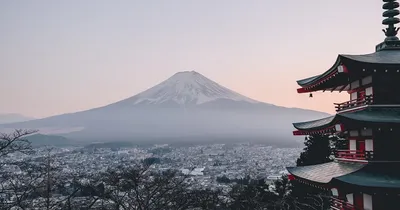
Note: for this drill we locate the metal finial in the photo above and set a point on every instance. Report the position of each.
(390, 19)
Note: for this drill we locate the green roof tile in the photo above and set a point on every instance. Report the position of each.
(368, 115)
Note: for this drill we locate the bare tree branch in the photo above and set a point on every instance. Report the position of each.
(15, 142)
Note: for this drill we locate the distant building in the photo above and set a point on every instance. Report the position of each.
(194, 172)
(274, 177)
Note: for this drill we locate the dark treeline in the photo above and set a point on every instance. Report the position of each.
(41, 184)
(247, 180)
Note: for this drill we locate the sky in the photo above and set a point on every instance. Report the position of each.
(66, 56)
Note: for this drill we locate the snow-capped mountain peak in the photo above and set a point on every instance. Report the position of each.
(188, 87)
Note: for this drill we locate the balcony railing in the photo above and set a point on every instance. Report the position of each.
(337, 204)
(354, 103)
(354, 154)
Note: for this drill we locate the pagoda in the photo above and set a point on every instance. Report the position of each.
(365, 173)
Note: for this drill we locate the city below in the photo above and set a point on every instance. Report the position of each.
(202, 163)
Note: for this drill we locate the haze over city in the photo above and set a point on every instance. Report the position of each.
(67, 56)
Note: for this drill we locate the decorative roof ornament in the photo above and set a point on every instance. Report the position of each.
(390, 19)
(392, 42)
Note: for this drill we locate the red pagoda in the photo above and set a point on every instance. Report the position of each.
(365, 173)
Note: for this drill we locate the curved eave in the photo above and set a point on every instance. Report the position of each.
(372, 175)
(327, 130)
(315, 124)
(315, 83)
(371, 116)
(311, 84)
(325, 172)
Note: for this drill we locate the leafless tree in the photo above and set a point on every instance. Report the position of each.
(9, 181)
(32, 186)
(40, 184)
(15, 142)
(19, 189)
(277, 196)
(140, 188)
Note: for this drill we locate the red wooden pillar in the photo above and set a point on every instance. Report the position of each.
(359, 200)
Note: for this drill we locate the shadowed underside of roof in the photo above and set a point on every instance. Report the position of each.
(375, 115)
(384, 175)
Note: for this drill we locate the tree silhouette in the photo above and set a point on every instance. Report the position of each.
(318, 150)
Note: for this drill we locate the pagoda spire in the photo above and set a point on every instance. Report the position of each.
(390, 19)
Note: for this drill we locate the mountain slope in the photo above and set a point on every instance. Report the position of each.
(185, 107)
(185, 88)
(12, 118)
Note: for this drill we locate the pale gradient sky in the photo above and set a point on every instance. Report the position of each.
(66, 56)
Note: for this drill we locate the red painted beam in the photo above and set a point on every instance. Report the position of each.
(303, 90)
(298, 133)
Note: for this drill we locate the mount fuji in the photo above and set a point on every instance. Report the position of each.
(185, 107)
(186, 88)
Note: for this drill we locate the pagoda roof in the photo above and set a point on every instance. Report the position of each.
(315, 124)
(367, 115)
(376, 175)
(339, 76)
(324, 173)
(384, 175)
(389, 57)
(314, 79)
